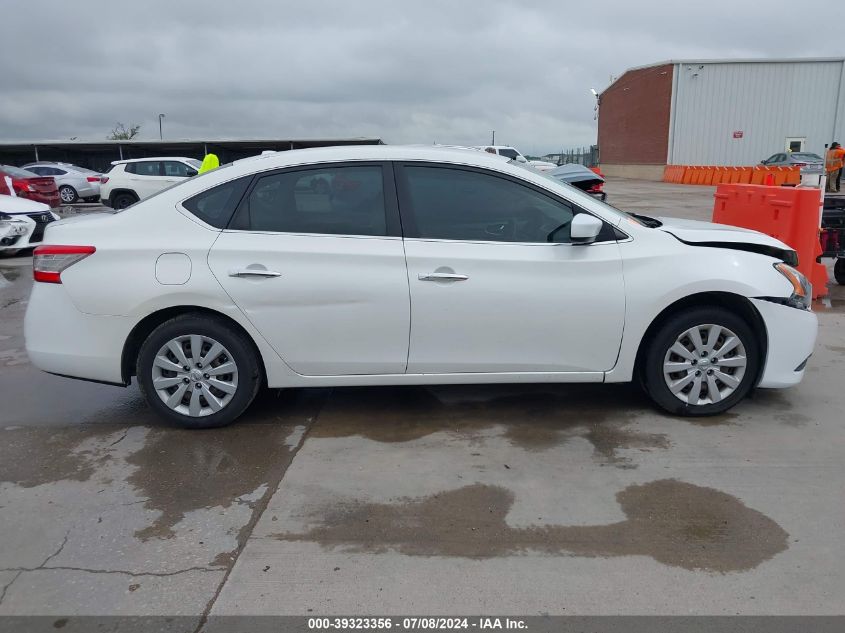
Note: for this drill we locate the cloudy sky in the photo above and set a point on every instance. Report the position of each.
(406, 71)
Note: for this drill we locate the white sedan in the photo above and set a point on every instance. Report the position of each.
(418, 266)
(22, 223)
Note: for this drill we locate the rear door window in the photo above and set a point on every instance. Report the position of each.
(343, 200)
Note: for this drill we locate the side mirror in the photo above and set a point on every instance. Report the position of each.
(585, 228)
(192, 173)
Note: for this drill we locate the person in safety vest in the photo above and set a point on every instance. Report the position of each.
(209, 162)
(833, 166)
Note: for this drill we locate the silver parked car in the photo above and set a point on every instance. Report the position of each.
(74, 182)
(792, 159)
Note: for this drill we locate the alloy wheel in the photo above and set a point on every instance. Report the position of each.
(705, 365)
(195, 375)
(67, 195)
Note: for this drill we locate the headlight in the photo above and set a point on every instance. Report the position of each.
(7, 220)
(802, 289)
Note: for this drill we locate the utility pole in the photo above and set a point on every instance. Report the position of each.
(160, 135)
(493, 142)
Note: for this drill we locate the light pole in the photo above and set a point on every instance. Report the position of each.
(160, 135)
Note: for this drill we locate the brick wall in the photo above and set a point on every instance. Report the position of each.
(634, 118)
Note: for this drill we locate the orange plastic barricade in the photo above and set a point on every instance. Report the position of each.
(689, 173)
(790, 214)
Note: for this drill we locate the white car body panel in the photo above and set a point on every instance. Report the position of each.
(587, 328)
(522, 307)
(340, 305)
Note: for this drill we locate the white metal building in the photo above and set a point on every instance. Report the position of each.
(721, 112)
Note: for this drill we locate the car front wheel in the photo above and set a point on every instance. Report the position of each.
(701, 361)
(198, 372)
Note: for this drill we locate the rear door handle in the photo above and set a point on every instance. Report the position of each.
(254, 272)
(442, 277)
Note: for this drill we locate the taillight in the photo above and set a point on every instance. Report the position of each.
(93, 179)
(48, 262)
(799, 164)
(20, 184)
(104, 179)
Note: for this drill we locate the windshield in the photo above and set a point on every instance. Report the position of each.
(17, 172)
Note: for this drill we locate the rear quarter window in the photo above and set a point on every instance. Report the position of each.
(216, 206)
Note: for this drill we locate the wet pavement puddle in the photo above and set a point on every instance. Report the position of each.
(675, 523)
(533, 419)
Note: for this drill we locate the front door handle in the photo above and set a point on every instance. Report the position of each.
(254, 272)
(442, 277)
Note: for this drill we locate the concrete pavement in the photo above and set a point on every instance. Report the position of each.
(555, 499)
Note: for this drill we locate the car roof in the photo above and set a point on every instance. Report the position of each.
(149, 158)
(461, 155)
(50, 163)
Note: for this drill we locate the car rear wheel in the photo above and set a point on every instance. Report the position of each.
(123, 200)
(701, 362)
(68, 194)
(197, 372)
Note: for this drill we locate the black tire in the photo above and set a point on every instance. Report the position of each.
(839, 271)
(243, 355)
(123, 200)
(666, 336)
(68, 195)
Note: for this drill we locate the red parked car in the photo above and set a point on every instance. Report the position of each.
(27, 184)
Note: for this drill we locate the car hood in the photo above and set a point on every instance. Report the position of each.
(697, 233)
(14, 205)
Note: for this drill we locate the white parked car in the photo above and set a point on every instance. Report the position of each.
(129, 181)
(74, 182)
(428, 266)
(515, 155)
(22, 223)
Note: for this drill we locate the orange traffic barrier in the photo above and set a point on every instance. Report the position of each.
(716, 175)
(790, 214)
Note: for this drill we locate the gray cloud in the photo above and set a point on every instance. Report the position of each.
(407, 72)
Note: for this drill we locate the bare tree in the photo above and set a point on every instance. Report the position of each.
(122, 133)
